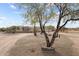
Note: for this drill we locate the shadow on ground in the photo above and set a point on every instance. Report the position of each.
(64, 45)
(31, 46)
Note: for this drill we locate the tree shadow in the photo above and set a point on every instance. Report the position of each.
(64, 45)
(51, 53)
(30, 46)
(26, 46)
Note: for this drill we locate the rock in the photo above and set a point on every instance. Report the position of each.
(48, 48)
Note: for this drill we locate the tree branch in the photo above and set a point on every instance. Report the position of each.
(68, 21)
(57, 7)
(45, 22)
(64, 24)
(60, 15)
(65, 15)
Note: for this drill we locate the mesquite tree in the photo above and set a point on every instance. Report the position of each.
(44, 12)
(30, 15)
(33, 21)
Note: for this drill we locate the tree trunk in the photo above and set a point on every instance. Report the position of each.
(41, 26)
(52, 41)
(35, 34)
(47, 40)
(46, 37)
(55, 34)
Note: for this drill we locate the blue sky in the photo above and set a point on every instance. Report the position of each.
(10, 16)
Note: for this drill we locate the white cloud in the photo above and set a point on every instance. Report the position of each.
(2, 18)
(12, 6)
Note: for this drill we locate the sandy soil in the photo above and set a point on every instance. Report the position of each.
(7, 41)
(24, 44)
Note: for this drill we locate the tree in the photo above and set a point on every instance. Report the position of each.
(2, 29)
(11, 29)
(50, 27)
(34, 26)
(44, 12)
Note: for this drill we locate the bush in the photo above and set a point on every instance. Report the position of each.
(11, 29)
(50, 28)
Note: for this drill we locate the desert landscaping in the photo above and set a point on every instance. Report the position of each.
(39, 29)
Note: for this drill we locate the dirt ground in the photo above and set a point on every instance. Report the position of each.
(25, 44)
